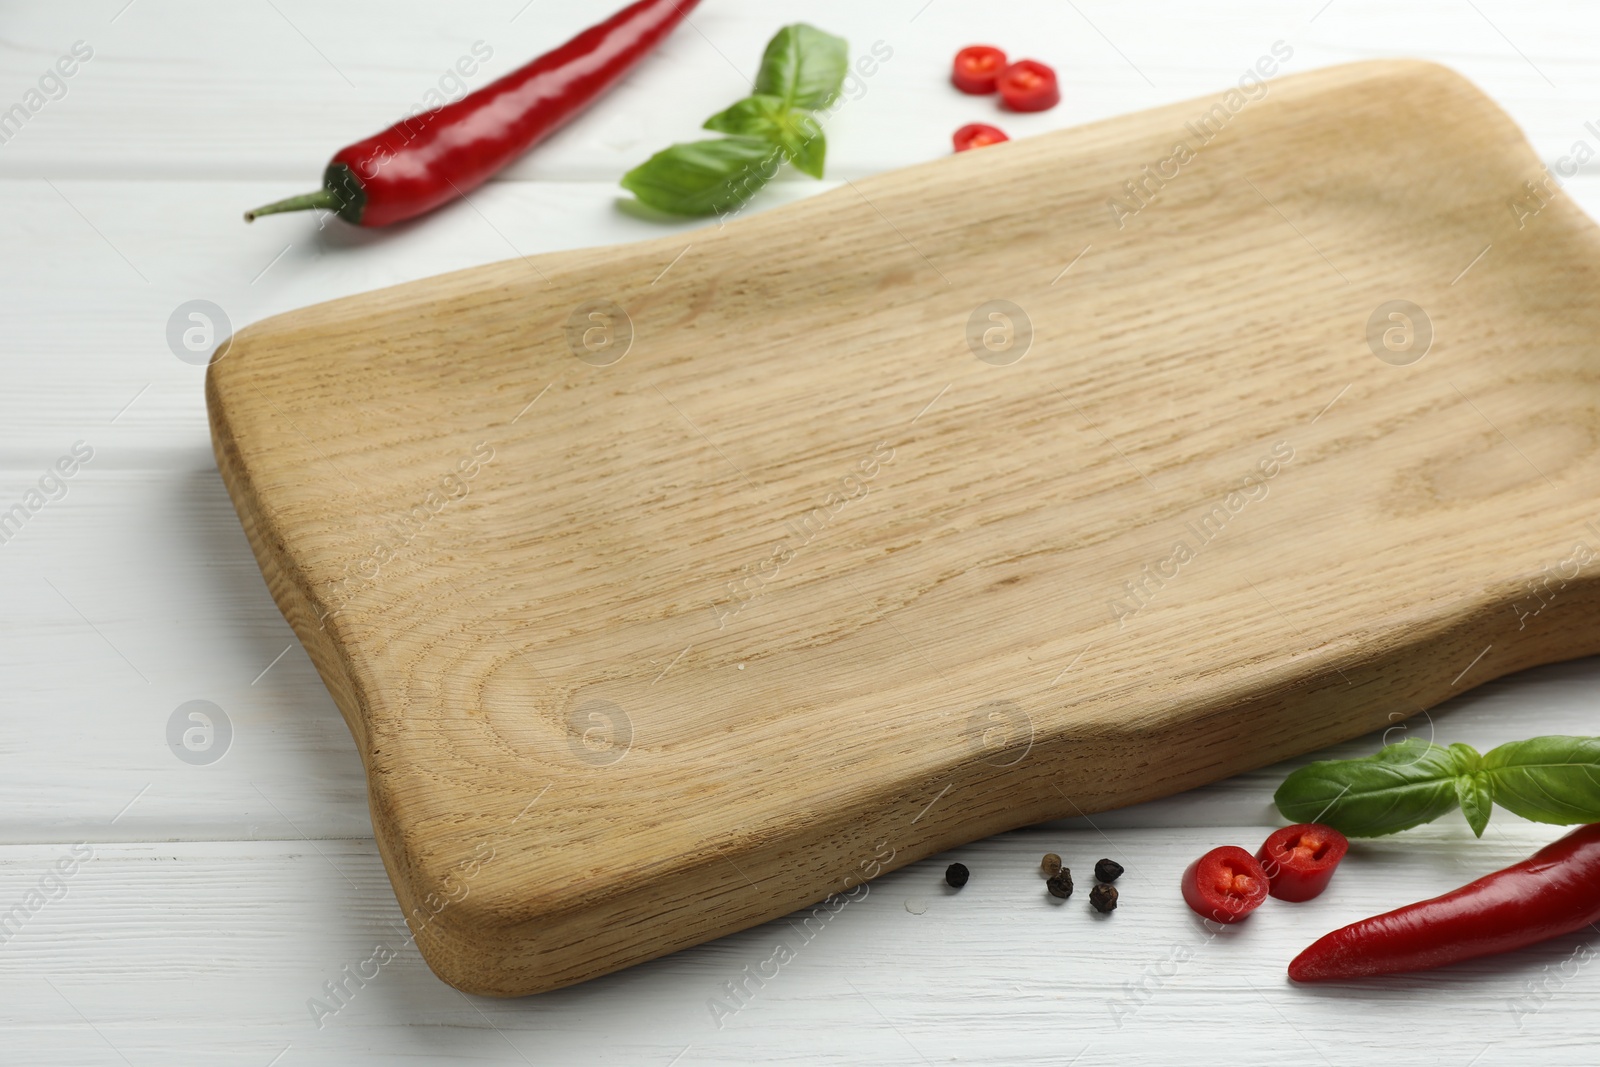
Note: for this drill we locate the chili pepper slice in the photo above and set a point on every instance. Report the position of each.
(430, 159)
(1226, 884)
(976, 68)
(1300, 859)
(976, 135)
(1555, 891)
(1028, 85)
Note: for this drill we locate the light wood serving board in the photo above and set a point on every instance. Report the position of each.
(655, 623)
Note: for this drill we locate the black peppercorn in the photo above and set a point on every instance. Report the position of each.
(956, 875)
(1103, 898)
(1107, 870)
(1050, 864)
(1060, 884)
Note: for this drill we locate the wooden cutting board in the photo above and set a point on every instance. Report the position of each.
(671, 587)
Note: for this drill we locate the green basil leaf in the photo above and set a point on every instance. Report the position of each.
(1552, 779)
(794, 130)
(704, 177)
(806, 147)
(803, 66)
(1475, 798)
(754, 116)
(1401, 786)
(1467, 759)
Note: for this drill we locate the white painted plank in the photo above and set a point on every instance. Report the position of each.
(208, 954)
(129, 597)
(174, 91)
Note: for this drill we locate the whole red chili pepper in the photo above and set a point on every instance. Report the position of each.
(429, 159)
(1553, 892)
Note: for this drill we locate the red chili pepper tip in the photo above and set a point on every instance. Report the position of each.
(1555, 891)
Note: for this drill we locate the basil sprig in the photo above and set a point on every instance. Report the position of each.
(767, 118)
(1553, 779)
(802, 71)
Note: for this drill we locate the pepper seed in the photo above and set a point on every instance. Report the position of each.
(1060, 884)
(1103, 898)
(1050, 864)
(1108, 870)
(956, 875)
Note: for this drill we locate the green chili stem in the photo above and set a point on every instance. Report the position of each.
(323, 198)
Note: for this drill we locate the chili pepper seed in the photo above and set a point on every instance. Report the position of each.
(1050, 864)
(956, 875)
(1108, 870)
(1103, 898)
(1060, 884)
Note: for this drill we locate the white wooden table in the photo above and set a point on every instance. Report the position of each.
(209, 903)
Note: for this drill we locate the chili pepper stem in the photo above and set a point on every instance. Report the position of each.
(323, 198)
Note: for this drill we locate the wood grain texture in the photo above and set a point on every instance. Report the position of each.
(542, 665)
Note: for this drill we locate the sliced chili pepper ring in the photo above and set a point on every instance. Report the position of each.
(976, 135)
(1300, 859)
(1226, 884)
(976, 68)
(1028, 85)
